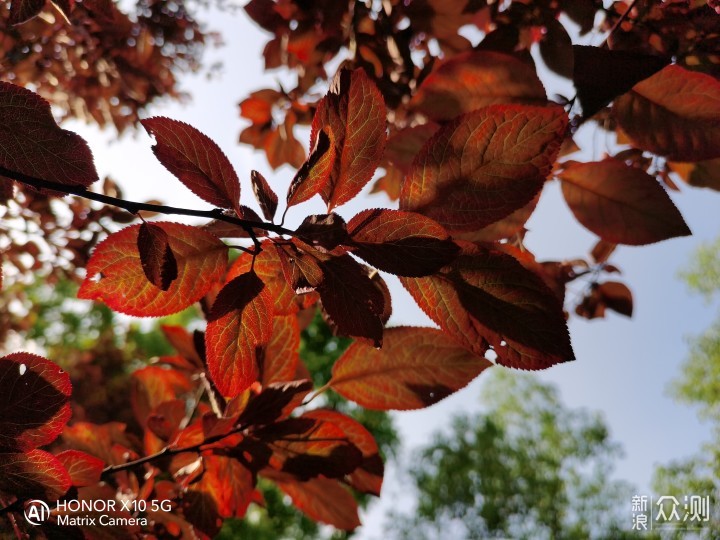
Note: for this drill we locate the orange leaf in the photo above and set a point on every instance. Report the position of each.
(34, 401)
(31, 142)
(416, 368)
(674, 113)
(84, 469)
(115, 274)
(240, 322)
(156, 256)
(281, 356)
(616, 296)
(369, 476)
(402, 243)
(476, 79)
(354, 113)
(621, 204)
(488, 297)
(484, 166)
(322, 499)
(99, 440)
(268, 268)
(312, 177)
(228, 483)
(152, 385)
(33, 475)
(196, 161)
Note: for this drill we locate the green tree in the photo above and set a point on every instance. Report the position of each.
(527, 467)
(698, 384)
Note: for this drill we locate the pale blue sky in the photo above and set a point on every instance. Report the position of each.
(623, 366)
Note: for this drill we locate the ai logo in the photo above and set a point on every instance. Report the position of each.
(36, 511)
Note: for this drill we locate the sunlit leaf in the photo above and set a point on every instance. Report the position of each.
(34, 401)
(487, 297)
(33, 475)
(475, 79)
(239, 324)
(281, 356)
(196, 161)
(353, 112)
(31, 143)
(415, 368)
(484, 166)
(115, 274)
(620, 203)
(84, 469)
(368, 477)
(674, 113)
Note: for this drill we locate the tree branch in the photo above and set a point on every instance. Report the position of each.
(134, 207)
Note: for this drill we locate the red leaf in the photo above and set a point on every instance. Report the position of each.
(156, 256)
(196, 161)
(324, 230)
(34, 401)
(240, 323)
(351, 300)
(267, 267)
(313, 175)
(675, 113)
(487, 296)
(27, 128)
(476, 79)
(101, 441)
(307, 447)
(416, 368)
(616, 296)
(354, 113)
(84, 469)
(322, 499)
(404, 145)
(228, 483)
(115, 274)
(183, 342)
(266, 197)
(33, 475)
(281, 356)
(402, 243)
(275, 402)
(369, 476)
(484, 166)
(621, 204)
(300, 265)
(600, 75)
(514, 224)
(24, 10)
(153, 385)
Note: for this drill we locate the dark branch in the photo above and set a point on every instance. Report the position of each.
(134, 207)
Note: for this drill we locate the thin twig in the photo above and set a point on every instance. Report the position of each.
(605, 44)
(134, 207)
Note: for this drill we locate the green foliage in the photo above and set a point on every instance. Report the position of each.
(528, 467)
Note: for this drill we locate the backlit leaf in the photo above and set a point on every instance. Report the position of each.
(415, 368)
(239, 324)
(228, 483)
(488, 297)
(620, 203)
(268, 268)
(156, 256)
(484, 165)
(616, 296)
(312, 177)
(281, 356)
(324, 500)
(34, 401)
(24, 10)
(307, 447)
(84, 469)
(324, 230)
(27, 128)
(33, 475)
(152, 385)
(674, 113)
(351, 300)
(402, 243)
(368, 477)
(353, 112)
(99, 440)
(115, 274)
(600, 75)
(475, 79)
(266, 197)
(275, 402)
(196, 161)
